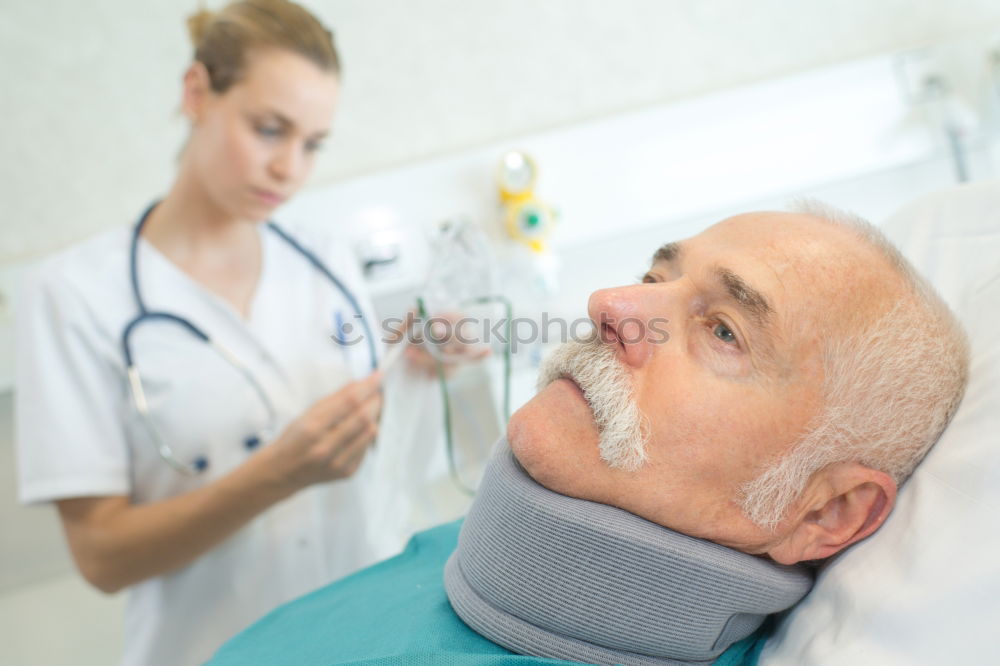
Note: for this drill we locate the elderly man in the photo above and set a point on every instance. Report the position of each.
(753, 404)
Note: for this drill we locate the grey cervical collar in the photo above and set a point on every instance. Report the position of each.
(547, 575)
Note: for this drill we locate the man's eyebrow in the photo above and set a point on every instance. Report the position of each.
(751, 301)
(668, 252)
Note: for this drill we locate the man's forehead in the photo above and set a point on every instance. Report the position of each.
(808, 269)
(751, 261)
(778, 239)
(761, 229)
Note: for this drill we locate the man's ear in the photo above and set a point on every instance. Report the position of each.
(842, 504)
(197, 90)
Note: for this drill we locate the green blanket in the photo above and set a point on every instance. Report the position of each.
(393, 613)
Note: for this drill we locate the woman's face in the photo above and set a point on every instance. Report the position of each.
(253, 146)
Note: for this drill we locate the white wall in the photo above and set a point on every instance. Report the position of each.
(89, 90)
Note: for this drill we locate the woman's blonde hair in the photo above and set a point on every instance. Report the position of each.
(222, 39)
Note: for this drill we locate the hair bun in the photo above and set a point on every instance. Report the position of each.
(197, 25)
(223, 37)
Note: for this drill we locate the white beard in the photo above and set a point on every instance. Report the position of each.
(607, 387)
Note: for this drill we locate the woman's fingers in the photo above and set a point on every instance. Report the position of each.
(326, 441)
(348, 458)
(337, 406)
(350, 437)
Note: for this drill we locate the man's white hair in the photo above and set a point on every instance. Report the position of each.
(889, 389)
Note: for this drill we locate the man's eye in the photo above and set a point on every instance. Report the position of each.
(723, 332)
(314, 146)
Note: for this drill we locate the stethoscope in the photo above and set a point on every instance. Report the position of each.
(201, 463)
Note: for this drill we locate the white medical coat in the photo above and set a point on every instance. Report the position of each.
(78, 434)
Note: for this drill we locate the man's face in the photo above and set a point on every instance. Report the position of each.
(744, 306)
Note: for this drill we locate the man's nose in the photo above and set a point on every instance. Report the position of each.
(631, 320)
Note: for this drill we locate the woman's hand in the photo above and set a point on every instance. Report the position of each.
(442, 338)
(116, 543)
(329, 440)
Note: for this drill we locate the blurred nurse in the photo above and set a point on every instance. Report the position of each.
(182, 396)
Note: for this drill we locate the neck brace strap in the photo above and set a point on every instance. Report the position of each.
(551, 576)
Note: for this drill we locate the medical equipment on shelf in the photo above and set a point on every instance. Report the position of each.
(201, 463)
(462, 276)
(532, 268)
(527, 219)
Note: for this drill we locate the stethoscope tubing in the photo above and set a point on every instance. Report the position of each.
(145, 315)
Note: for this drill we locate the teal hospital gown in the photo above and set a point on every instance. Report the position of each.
(395, 613)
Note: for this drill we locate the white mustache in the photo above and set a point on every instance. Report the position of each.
(624, 429)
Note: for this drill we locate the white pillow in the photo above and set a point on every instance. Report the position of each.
(925, 589)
